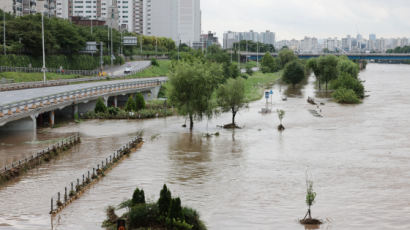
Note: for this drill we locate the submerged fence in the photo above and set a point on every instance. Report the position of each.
(16, 168)
(74, 189)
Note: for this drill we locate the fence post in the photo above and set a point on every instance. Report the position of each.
(51, 205)
(65, 194)
(72, 186)
(88, 175)
(58, 197)
(93, 172)
(83, 179)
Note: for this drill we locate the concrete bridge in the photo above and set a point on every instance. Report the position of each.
(20, 107)
(357, 56)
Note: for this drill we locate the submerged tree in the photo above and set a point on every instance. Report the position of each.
(310, 200)
(231, 97)
(281, 115)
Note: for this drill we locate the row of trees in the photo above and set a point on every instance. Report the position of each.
(199, 83)
(252, 46)
(405, 49)
(270, 64)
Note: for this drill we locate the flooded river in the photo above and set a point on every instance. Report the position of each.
(250, 178)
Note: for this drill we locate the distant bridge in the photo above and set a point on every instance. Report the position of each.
(43, 104)
(356, 56)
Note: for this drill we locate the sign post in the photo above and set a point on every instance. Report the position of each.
(271, 96)
(120, 224)
(267, 96)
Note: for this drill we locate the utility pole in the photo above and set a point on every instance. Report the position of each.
(239, 55)
(156, 46)
(4, 32)
(246, 60)
(179, 44)
(141, 41)
(101, 56)
(111, 48)
(257, 54)
(44, 52)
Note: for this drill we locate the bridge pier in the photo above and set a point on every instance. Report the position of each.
(52, 119)
(75, 109)
(105, 101)
(34, 119)
(115, 101)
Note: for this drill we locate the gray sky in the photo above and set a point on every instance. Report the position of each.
(299, 18)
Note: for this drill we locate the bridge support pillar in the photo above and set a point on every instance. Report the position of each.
(75, 110)
(115, 101)
(34, 119)
(52, 119)
(106, 101)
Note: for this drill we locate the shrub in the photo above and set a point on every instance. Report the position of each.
(139, 102)
(348, 82)
(138, 197)
(113, 111)
(192, 217)
(175, 211)
(100, 106)
(130, 105)
(142, 215)
(154, 62)
(345, 96)
(249, 70)
(164, 201)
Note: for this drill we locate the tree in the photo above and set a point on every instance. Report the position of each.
(267, 63)
(313, 64)
(310, 197)
(328, 68)
(100, 106)
(130, 105)
(191, 85)
(139, 102)
(346, 81)
(281, 115)
(249, 70)
(231, 96)
(293, 73)
(175, 211)
(138, 197)
(346, 66)
(286, 56)
(164, 201)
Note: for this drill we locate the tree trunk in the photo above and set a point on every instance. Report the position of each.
(191, 122)
(233, 117)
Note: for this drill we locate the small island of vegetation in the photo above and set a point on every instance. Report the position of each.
(166, 213)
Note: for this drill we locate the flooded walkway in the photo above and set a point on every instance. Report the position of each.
(252, 178)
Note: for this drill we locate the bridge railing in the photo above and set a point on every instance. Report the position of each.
(17, 107)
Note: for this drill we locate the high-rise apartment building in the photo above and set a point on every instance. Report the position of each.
(19, 7)
(179, 20)
(138, 16)
(229, 38)
(62, 9)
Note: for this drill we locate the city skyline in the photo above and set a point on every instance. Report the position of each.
(294, 19)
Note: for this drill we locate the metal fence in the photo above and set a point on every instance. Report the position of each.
(74, 189)
(49, 70)
(72, 96)
(39, 154)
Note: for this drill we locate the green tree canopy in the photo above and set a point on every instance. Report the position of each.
(286, 56)
(231, 96)
(328, 68)
(346, 66)
(191, 85)
(294, 72)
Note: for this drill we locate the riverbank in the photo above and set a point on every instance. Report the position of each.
(257, 83)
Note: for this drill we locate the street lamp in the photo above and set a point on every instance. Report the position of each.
(44, 52)
(4, 32)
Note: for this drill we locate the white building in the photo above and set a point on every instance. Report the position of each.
(62, 9)
(18, 7)
(126, 14)
(179, 20)
(7, 6)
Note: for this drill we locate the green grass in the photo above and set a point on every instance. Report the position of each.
(257, 83)
(29, 77)
(154, 71)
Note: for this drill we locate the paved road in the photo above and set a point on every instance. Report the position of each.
(135, 66)
(26, 94)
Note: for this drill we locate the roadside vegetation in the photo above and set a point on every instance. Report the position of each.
(160, 70)
(135, 108)
(166, 213)
(30, 77)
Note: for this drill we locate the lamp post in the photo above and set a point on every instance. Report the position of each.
(44, 52)
(4, 32)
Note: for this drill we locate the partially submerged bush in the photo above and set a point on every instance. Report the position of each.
(345, 96)
(100, 106)
(348, 82)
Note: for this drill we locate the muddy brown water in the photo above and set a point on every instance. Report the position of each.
(250, 178)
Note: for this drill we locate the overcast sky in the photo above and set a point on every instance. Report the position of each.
(299, 18)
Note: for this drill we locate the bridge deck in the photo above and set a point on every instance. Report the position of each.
(8, 97)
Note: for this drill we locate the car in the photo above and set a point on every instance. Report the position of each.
(127, 70)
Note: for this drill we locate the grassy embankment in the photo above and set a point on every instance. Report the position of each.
(30, 77)
(257, 83)
(154, 71)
